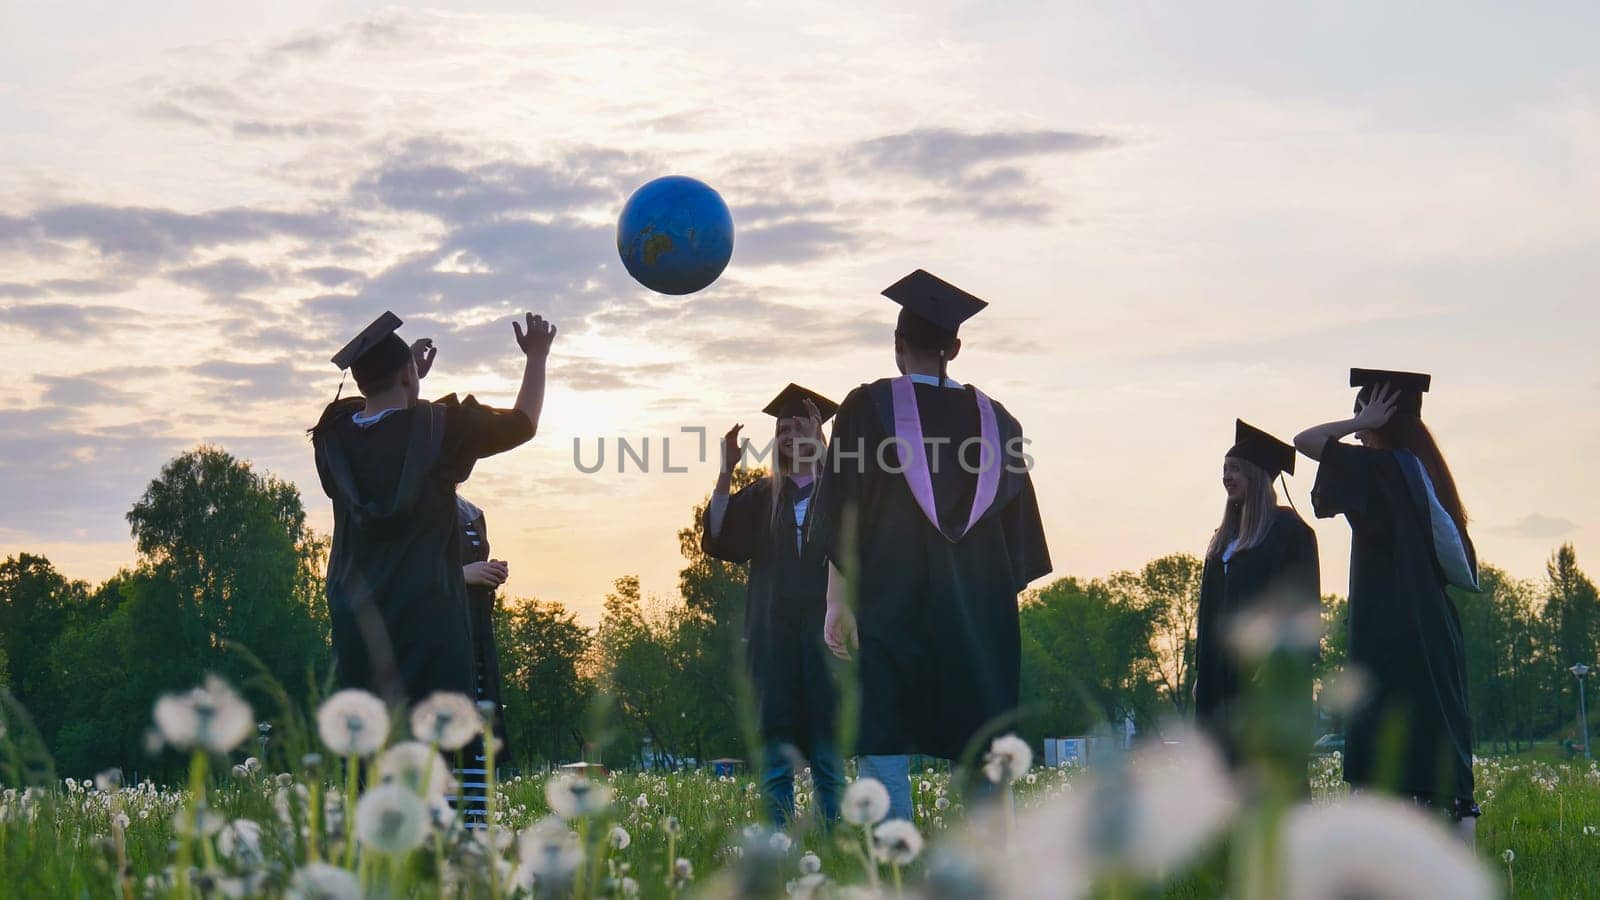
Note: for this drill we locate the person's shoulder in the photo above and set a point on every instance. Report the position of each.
(340, 410)
(759, 489)
(1289, 519)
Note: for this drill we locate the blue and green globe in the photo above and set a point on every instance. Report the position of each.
(675, 235)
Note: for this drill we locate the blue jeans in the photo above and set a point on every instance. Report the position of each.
(895, 774)
(777, 780)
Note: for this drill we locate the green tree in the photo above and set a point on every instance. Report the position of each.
(1168, 588)
(36, 605)
(1572, 617)
(545, 687)
(1088, 657)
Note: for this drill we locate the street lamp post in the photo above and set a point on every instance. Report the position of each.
(1580, 672)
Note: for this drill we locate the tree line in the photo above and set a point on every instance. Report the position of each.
(228, 579)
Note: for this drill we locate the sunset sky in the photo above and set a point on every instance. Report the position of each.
(1180, 216)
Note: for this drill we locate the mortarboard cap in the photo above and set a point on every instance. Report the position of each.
(1254, 445)
(1412, 385)
(790, 403)
(931, 309)
(377, 351)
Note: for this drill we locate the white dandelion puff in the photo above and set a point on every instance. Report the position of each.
(780, 842)
(548, 854)
(109, 781)
(412, 764)
(240, 841)
(573, 797)
(810, 864)
(897, 842)
(353, 722)
(212, 717)
(620, 839)
(866, 802)
(1365, 846)
(391, 819)
(1009, 758)
(447, 719)
(320, 881)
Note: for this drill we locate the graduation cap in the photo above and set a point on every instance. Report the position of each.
(377, 351)
(931, 309)
(1254, 445)
(790, 403)
(1412, 385)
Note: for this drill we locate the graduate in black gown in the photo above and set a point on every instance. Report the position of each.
(1260, 619)
(484, 576)
(926, 501)
(390, 463)
(1412, 734)
(764, 525)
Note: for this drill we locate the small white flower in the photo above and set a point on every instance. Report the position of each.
(353, 722)
(201, 822)
(642, 802)
(391, 819)
(1009, 758)
(320, 881)
(866, 802)
(808, 886)
(620, 839)
(573, 797)
(781, 842)
(447, 719)
(810, 864)
(683, 869)
(549, 854)
(1509, 857)
(212, 717)
(410, 763)
(240, 841)
(109, 781)
(896, 842)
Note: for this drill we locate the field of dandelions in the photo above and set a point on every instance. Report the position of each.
(367, 815)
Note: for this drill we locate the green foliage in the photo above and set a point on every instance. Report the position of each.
(545, 689)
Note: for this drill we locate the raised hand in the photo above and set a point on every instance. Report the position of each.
(732, 452)
(536, 340)
(1378, 410)
(424, 352)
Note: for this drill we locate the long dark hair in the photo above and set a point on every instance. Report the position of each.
(1406, 432)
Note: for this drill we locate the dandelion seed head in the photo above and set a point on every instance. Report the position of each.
(411, 764)
(211, 717)
(1008, 759)
(866, 802)
(896, 842)
(447, 719)
(573, 797)
(391, 819)
(353, 722)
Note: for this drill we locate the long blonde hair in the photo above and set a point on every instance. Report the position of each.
(778, 474)
(1249, 519)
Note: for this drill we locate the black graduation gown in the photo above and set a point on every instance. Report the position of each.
(785, 600)
(937, 604)
(1279, 573)
(481, 602)
(1414, 733)
(396, 597)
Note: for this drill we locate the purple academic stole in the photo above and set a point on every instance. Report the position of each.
(914, 463)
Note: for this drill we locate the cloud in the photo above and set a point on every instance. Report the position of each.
(1540, 527)
(581, 374)
(87, 389)
(66, 321)
(150, 234)
(332, 276)
(65, 482)
(225, 276)
(792, 241)
(240, 381)
(419, 181)
(971, 167)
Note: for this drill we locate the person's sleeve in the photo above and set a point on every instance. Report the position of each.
(475, 431)
(837, 497)
(1025, 541)
(1345, 478)
(743, 525)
